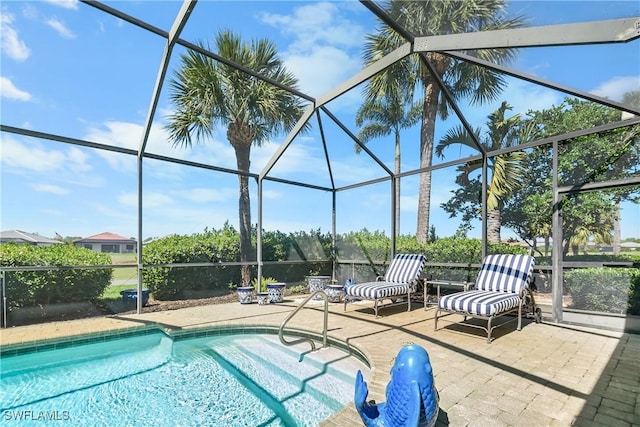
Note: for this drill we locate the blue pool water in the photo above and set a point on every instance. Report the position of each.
(220, 380)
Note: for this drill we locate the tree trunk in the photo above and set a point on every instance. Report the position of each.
(493, 226)
(617, 238)
(547, 244)
(239, 135)
(427, 130)
(244, 213)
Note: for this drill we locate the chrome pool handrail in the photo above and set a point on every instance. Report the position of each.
(296, 310)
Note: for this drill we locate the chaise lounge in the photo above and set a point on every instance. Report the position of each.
(400, 280)
(502, 287)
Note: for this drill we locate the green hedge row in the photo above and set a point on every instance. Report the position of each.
(306, 253)
(609, 290)
(33, 288)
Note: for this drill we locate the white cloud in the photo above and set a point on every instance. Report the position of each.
(321, 68)
(77, 160)
(31, 156)
(60, 28)
(54, 212)
(129, 135)
(150, 200)
(615, 88)
(271, 194)
(48, 188)
(325, 49)
(66, 4)
(319, 23)
(203, 195)
(9, 91)
(11, 44)
(68, 164)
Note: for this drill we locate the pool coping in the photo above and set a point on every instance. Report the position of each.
(176, 336)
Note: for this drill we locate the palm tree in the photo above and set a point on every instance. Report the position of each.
(387, 112)
(208, 94)
(506, 169)
(462, 79)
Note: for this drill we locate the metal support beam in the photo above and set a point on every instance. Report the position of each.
(556, 252)
(545, 83)
(288, 140)
(608, 31)
(365, 74)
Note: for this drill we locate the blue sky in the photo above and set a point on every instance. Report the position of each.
(69, 69)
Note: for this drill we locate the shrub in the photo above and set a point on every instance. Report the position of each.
(32, 288)
(211, 246)
(610, 290)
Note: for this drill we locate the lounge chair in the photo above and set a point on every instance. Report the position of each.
(502, 287)
(400, 280)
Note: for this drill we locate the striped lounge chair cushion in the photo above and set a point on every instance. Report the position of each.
(481, 303)
(404, 271)
(405, 268)
(377, 290)
(505, 273)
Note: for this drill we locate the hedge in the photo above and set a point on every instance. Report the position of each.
(33, 288)
(609, 290)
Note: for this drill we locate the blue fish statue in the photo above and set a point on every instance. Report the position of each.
(412, 398)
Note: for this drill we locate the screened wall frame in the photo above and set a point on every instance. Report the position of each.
(600, 32)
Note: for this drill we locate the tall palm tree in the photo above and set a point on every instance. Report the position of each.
(506, 169)
(389, 112)
(209, 95)
(463, 80)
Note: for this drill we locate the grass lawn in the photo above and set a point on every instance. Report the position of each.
(112, 293)
(124, 274)
(120, 259)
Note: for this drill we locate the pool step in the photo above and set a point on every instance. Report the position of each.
(277, 371)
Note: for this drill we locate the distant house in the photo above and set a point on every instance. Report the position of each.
(108, 243)
(17, 236)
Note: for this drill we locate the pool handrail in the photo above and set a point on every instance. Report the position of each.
(324, 296)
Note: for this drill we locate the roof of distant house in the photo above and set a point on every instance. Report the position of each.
(23, 236)
(630, 245)
(105, 237)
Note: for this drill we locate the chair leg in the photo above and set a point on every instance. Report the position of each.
(520, 316)
(435, 326)
(489, 329)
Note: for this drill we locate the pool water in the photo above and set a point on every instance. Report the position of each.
(219, 380)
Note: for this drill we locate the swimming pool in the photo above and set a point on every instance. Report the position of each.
(152, 379)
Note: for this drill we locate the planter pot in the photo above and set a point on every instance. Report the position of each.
(130, 297)
(335, 293)
(318, 283)
(245, 294)
(276, 292)
(263, 298)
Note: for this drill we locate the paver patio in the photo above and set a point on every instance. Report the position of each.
(543, 375)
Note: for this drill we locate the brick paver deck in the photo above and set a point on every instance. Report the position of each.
(543, 375)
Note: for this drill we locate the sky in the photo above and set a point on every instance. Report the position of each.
(69, 69)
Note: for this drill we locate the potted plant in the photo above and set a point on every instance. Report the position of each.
(245, 294)
(317, 283)
(262, 290)
(276, 291)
